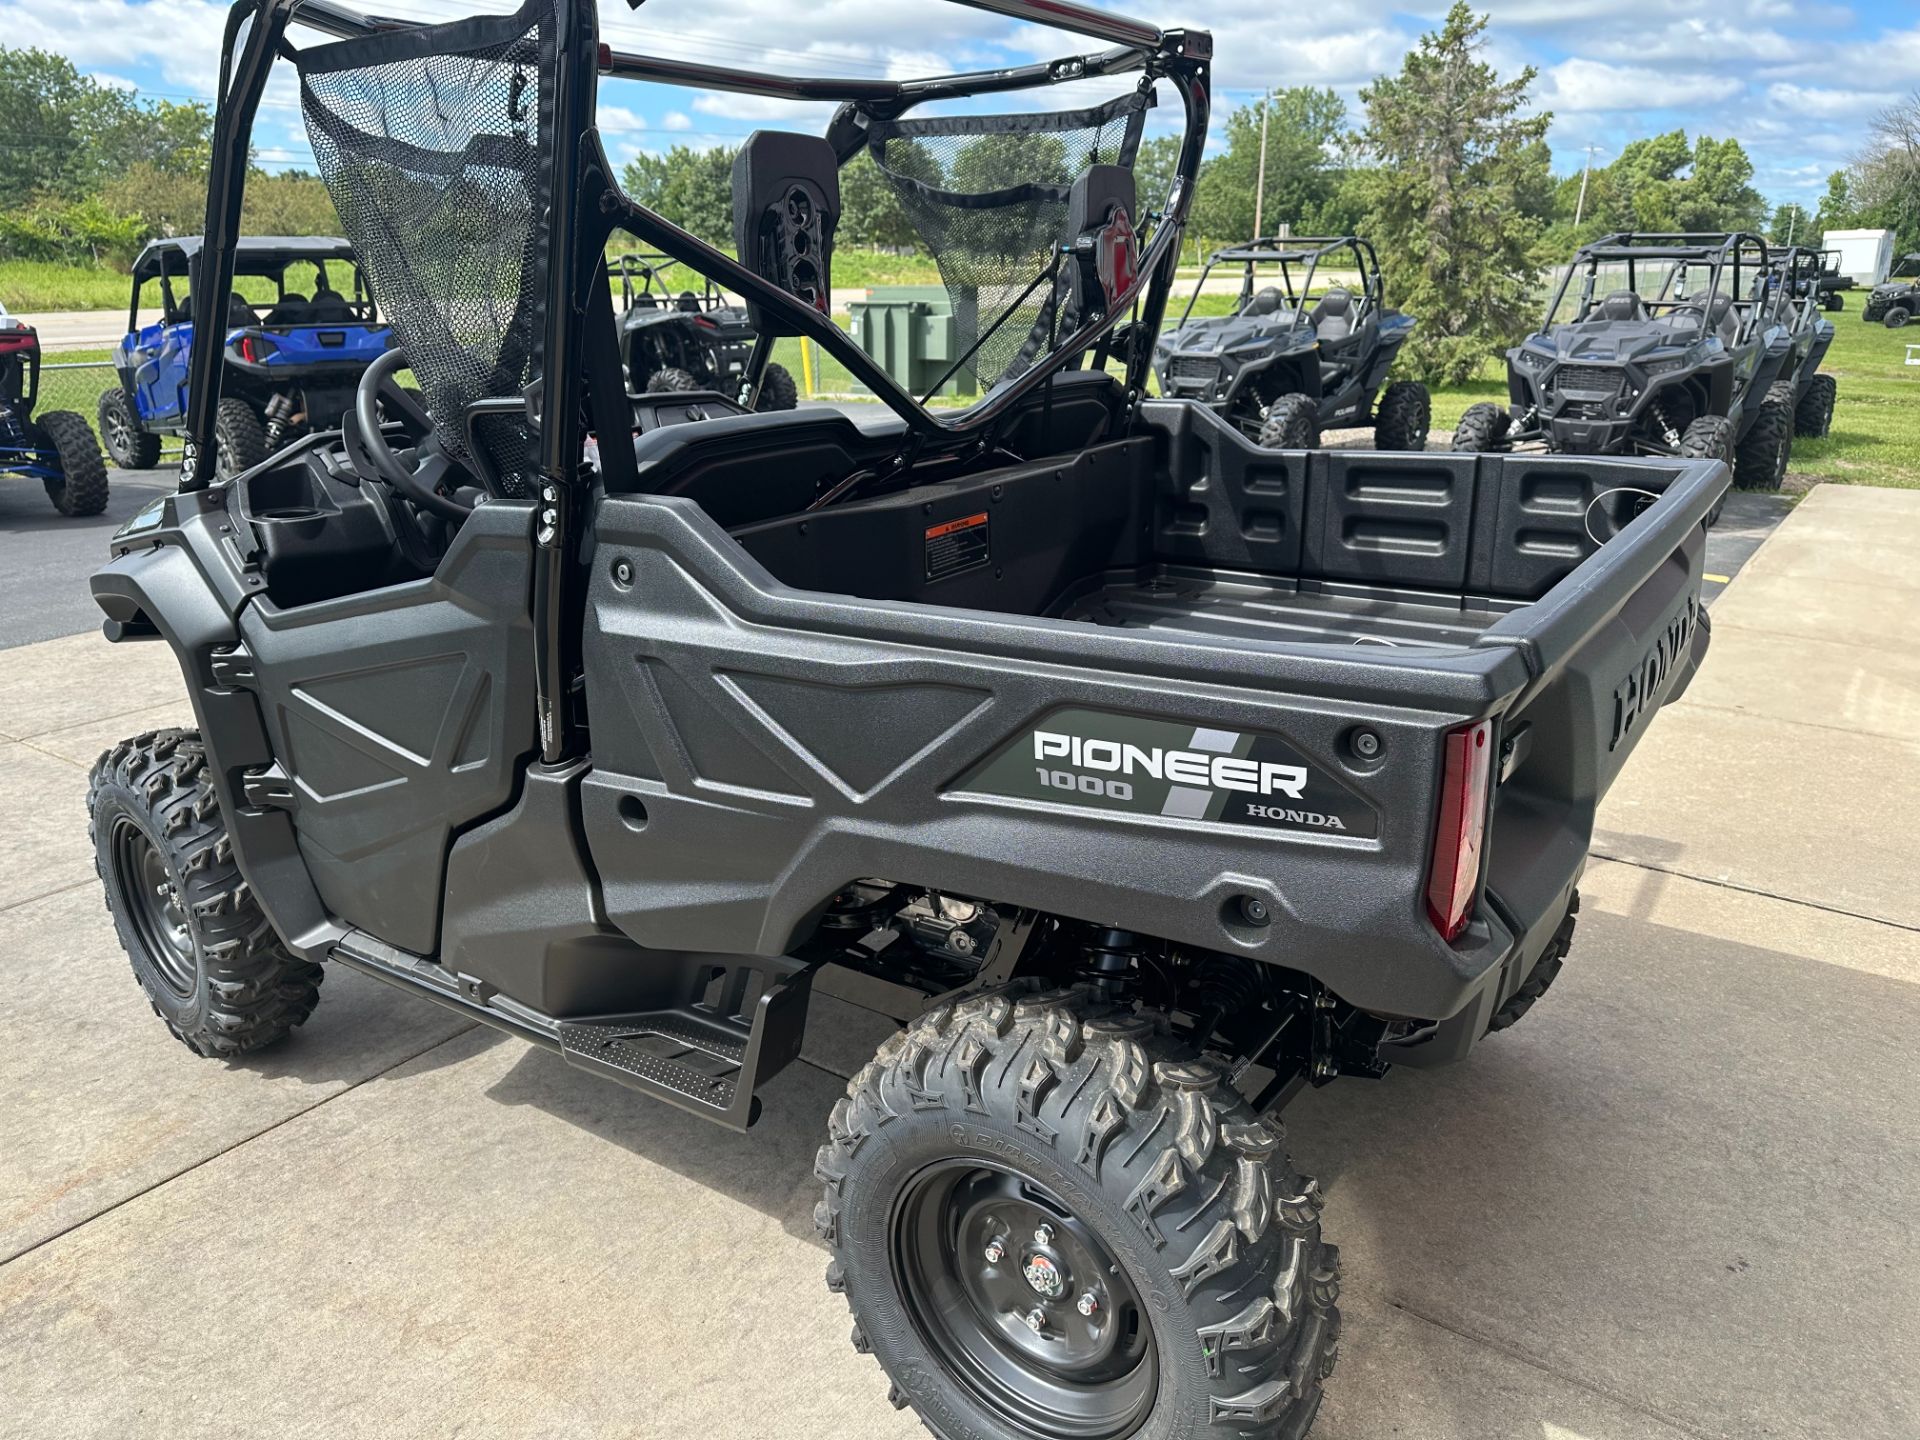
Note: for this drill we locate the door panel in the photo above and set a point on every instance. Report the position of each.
(397, 717)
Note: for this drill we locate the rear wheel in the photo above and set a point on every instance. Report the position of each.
(201, 948)
(1482, 427)
(128, 446)
(671, 377)
(777, 390)
(1545, 970)
(1292, 423)
(1760, 460)
(1403, 418)
(1813, 416)
(81, 486)
(1897, 316)
(240, 439)
(1049, 1223)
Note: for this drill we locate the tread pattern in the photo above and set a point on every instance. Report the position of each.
(1173, 1146)
(240, 438)
(1404, 417)
(1813, 416)
(1482, 427)
(1292, 423)
(1760, 460)
(82, 486)
(1545, 970)
(253, 990)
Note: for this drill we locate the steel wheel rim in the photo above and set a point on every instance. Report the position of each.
(1082, 1376)
(154, 907)
(119, 432)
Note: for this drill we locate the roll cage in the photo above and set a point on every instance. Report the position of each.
(638, 274)
(582, 205)
(1290, 254)
(265, 256)
(1735, 264)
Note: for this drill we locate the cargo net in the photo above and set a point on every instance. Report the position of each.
(988, 196)
(432, 143)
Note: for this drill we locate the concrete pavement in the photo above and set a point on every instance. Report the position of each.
(1675, 1202)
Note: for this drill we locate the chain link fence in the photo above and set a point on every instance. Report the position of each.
(76, 385)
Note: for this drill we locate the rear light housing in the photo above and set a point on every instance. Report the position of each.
(255, 348)
(1460, 834)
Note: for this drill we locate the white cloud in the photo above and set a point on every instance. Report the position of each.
(1819, 104)
(674, 120)
(1590, 85)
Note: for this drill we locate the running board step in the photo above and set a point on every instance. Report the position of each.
(743, 1024)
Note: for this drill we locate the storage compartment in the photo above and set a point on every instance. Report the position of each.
(1187, 526)
(318, 533)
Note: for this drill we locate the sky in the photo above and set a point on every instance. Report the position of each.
(1796, 81)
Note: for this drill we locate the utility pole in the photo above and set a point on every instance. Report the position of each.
(1260, 180)
(1580, 207)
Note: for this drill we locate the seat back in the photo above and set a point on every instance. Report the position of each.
(329, 307)
(1621, 305)
(1332, 316)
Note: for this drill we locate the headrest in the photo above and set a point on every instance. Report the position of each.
(1336, 302)
(1265, 302)
(1621, 305)
(1100, 234)
(786, 204)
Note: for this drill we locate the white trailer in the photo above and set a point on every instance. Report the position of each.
(1866, 255)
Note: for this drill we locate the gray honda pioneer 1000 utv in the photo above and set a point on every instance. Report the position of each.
(1305, 347)
(1141, 776)
(1654, 345)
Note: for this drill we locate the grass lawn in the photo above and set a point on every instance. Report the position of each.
(1876, 421)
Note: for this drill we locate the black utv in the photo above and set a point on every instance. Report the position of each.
(1896, 299)
(55, 447)
(690, 341)
(1654, 345)
(1141, 775)
(1305, 347)
(1799, 301)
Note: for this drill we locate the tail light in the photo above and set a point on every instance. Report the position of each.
(1462, 828)
(255, 348)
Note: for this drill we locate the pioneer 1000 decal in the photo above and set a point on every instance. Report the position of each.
(1099, 760)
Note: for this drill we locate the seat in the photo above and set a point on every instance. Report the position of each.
(290, 309)
(239, 312)
(1265, 302)
(1332, 316)
(329, 307)
(1621, 305)
(1722, 320)
(688, 303)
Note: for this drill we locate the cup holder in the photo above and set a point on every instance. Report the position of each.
(287, 513)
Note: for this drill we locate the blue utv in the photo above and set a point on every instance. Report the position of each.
(291, 366)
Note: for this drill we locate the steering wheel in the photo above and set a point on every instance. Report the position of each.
(421, 481)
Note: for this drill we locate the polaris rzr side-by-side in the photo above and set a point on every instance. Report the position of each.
(1306, 347)
(1895, 300)
(291, 366)
(1142, 775)
(1654, 345)
(1800, 301)
(692, 340)
(55, 447)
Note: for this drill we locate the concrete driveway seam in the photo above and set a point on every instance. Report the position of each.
(1598, 853)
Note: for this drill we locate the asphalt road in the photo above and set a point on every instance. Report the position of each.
(45, 558)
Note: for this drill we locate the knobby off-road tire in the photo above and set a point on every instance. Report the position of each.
(1170, 1200)
(81, 486)
(1897, 316)
(1404, 417)
(1483, 427)
(240, 438)
(1709, 437)
(777, 390)
(1545, 969)
(128, 446)
(203, 952)
(1813, 416)
(671, 378)
(1760, 460)
(1292, 423)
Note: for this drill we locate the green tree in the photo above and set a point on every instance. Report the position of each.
(1836, 210)
(689, 186)
(1456, 158)
(1886, 178)
(1792, 225)
(870, 211)
(1718, 192)
(1305, 127)
(1153, 170)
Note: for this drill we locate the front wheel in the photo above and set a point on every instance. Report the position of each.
(1049, 1222)
(128, 446)
(1483, 427)
(1403, 418)
(1292, 423)
(201, 948)
(1897, 316)
(777, 390)
(80, 485)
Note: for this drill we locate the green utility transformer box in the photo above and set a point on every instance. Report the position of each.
(912, 332)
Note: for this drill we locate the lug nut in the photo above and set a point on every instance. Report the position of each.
(1044, 1235)
(1036, 1320)
(995, 1252)
(1086, 1304)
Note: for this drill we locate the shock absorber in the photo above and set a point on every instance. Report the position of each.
(1222, 985)
(278, 412)
(1108, 960)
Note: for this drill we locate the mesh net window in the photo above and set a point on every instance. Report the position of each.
(434, 146)
(988, 196)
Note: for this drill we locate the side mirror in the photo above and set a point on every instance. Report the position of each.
(786, 206)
